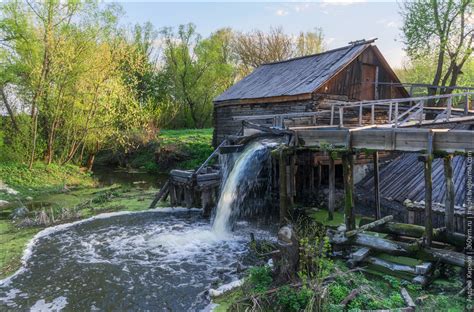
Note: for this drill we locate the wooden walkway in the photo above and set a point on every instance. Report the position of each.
(386, 139)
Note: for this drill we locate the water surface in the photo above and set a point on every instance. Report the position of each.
(151, 261)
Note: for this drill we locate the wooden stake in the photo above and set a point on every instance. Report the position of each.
(332, 187)
(348, 167)
(449, 203)
(378, 212)
(283, 193)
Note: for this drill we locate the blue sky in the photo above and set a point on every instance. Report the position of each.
(341, 21)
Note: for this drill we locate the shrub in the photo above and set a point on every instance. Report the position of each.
(260, 278)
(290, 299)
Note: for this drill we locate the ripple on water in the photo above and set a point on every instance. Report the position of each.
(142, 261)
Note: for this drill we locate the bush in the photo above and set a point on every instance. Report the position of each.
(290, 299)
(260, 278)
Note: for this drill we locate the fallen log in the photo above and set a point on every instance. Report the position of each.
(417, 231)
(407, 298)
(369, 226)
(350, 296)
(402, 249)
(393, 267)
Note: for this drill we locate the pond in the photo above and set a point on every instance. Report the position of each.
(162, 260)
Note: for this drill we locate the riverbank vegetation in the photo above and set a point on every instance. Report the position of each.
(324, 283)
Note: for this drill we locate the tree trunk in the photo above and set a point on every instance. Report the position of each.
(9, 109)
(287, 260)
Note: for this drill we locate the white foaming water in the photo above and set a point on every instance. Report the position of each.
(127, 262)
(239, 181)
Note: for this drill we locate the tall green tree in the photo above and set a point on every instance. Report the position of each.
(442, 31)
(198, 70)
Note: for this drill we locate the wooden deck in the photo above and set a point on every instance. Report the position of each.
(386, 139)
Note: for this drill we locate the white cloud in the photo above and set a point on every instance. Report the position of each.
(281, 12)
(301, 7)
(340, 2)
(388, 23)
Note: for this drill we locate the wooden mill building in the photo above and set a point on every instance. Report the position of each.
(305, 93)
(305, 84)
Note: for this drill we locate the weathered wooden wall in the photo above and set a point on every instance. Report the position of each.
(351, 81)
(224, 124)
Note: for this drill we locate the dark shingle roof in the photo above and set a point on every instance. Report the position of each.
(292, 77)
(403, 178)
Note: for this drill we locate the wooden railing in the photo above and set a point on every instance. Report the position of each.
(399, 111)
(394, 114)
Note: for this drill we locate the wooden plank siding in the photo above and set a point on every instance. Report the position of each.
(349, 82)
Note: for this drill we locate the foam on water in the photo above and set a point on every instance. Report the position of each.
(141, 261)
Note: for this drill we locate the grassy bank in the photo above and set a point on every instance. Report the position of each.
(40, 179)
(53, 195)
(184, 149)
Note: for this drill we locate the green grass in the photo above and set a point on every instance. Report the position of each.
(41, 178)
(195, 145)
(12, 242)
(171, 149)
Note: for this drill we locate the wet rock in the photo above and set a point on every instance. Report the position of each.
(20, 212)
(26, 222)
(3, 203)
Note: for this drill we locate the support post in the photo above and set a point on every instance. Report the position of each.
(332, 115)
(341, 116)
(428, 199)
(449, 203)
(348, 167)
(466, 107)
(332, 187)
(396, 114)
(428, 160)
(283, 193)
(449, 108)
(390, 112)
(372, 114)
(378, 212)
(360, 114)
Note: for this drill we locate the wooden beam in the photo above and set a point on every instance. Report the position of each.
(449, 203)
(332, 187)
(348, 168)
(369, 226)
(427, 161)
(378, 212)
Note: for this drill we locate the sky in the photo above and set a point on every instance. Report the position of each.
(341, 22)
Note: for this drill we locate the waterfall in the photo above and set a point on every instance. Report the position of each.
(239, 181)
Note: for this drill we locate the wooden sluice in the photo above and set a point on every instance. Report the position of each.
(188, 189)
